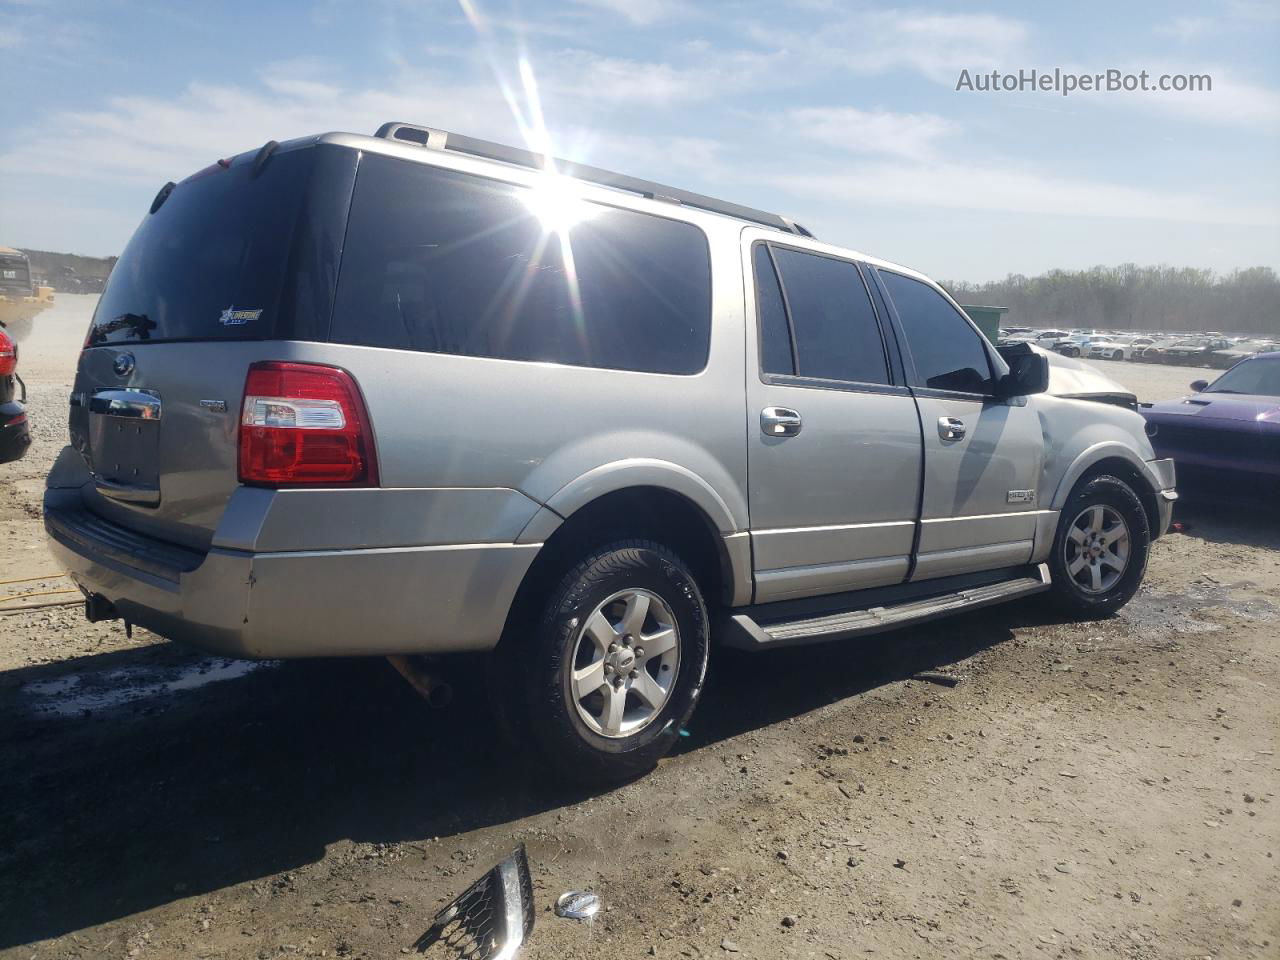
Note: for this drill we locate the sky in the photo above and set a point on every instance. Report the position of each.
(842, 115)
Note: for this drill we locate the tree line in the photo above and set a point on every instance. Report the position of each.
(1130, 297)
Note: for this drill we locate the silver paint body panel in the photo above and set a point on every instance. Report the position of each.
(431, 560)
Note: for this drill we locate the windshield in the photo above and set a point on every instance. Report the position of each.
(211, 262)
(1259, 376)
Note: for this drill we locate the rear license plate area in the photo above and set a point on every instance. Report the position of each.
(125, 450)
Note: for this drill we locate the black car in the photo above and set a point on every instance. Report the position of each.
(15, 437)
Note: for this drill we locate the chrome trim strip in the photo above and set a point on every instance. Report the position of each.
(139, 404)
(513, 901)
(824, 528)
(988, 516)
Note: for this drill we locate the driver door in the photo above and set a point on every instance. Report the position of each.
(983, 457)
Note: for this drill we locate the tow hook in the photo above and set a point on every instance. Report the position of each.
(430, 687)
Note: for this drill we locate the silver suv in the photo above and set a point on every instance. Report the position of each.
(419, 394)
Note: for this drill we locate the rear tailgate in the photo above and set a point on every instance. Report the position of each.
(237, 261)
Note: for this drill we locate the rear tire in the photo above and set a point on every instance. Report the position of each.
(1100, 551)
(583, 691)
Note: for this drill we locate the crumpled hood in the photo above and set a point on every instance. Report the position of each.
(1075, 378)
(1223, 406)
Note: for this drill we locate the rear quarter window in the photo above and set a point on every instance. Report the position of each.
(443, 262)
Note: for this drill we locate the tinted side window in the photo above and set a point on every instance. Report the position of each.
(836, 333)
(775, 338)
(948, 353)
(444, 262)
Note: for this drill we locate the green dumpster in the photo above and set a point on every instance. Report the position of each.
(987, 319)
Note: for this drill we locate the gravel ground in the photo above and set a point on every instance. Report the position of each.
(1086, 790)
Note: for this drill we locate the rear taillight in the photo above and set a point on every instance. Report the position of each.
(304, 424)
(8, 354)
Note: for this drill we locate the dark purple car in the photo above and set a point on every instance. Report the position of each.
(1225, 437)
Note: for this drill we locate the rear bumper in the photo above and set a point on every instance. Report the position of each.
(15, 434)
(312, 603)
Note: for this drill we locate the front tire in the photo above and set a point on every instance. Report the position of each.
(1100, 551)
(616, 663)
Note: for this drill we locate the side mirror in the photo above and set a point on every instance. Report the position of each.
(1028, 374)
(1198, 385)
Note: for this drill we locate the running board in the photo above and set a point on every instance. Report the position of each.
(742, 630)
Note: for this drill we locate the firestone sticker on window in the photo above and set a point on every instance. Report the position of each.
(231, 317)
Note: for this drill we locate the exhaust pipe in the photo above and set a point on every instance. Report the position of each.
(430, 687)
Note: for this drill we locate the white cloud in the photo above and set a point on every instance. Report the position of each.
(938, 46)
(1259, 11)
(958, 186)
(1231, 100)
(147, 140)
(909, 135)
(639, 12)
(141, 141)
(697, 75)
(1185, 28)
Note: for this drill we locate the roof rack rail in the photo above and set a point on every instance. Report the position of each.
(459, 143)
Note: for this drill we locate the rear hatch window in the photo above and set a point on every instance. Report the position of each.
(212, 262)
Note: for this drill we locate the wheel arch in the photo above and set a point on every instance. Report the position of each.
(1116, 460)
(650, 511)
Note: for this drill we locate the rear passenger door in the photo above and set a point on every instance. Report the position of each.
(833, 439)
(983, 457)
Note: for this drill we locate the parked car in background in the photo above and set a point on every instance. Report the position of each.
(1225, 436)
(1076, 344)
(1106, 348)
(1238, 350)
(1148, 353)
(1194, 352)
(1117, 348)
(1047, 338)
(15, 435)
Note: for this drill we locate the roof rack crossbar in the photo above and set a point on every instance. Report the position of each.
(459, 143)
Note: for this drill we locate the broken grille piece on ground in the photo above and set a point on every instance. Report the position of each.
(491, 919)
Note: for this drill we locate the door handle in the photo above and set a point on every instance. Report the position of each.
(949, 428)
(779, 422)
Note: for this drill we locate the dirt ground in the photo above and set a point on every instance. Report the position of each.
(1086, 790)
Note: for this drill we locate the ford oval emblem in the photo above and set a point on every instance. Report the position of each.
(123, 364)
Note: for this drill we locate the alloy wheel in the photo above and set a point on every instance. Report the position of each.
(1096, 548)
(625, 660)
